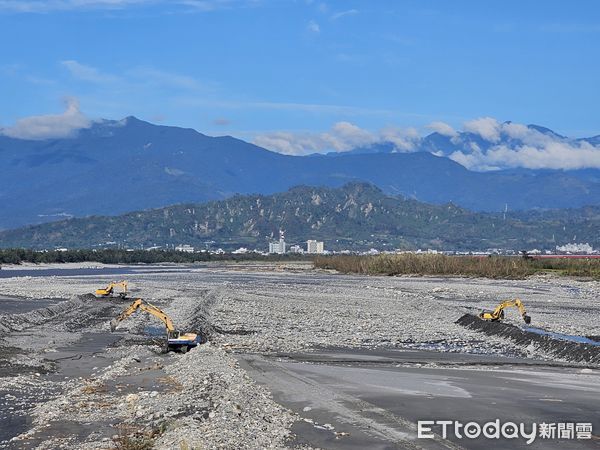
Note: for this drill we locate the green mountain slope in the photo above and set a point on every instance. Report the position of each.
(357, 216)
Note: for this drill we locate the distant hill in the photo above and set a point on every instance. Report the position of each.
(357, 216)
(119, 166)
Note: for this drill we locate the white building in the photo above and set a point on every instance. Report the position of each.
(296, 249)
(185, 248)
(278, 247)
(575, 248)
(313, 246)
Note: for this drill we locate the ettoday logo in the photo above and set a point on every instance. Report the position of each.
(507, 430)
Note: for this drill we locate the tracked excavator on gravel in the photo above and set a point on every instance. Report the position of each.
(109, 290)
(498, 313)
(176, 340)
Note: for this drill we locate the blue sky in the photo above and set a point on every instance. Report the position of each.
(252, 68)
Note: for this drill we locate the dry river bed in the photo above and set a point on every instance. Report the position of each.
(67, 382)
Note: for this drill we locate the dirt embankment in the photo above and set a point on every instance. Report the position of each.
(588, 353)
(73, 314)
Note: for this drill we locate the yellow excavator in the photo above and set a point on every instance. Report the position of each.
(109, 290)
(176, 340)
(498, 313)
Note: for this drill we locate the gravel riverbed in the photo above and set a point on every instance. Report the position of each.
(78, 386)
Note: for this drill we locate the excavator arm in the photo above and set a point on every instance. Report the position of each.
(147, 307)
(498, 313)
(159, 314)
(176, 340)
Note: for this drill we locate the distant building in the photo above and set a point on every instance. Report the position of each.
(278, 247)
(274, 247)
(296, 249)
(185, 248)
(575, 248)
(313, 246)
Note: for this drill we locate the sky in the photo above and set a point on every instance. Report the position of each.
(299, 76)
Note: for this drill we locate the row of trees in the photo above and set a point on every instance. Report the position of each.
(115, 256)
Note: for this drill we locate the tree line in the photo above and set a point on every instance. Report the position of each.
(116, 256)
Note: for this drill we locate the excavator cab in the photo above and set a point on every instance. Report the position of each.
(109, 290)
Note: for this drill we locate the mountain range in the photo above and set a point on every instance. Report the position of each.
(357, 216)
(114, 167)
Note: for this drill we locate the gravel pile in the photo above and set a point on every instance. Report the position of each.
(236, 414)
(205, 401)
(20, 322)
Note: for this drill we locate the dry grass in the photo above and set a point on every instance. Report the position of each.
(94, 388)
(471, 266)
(570, 267)
(172, 383)
(134, 438)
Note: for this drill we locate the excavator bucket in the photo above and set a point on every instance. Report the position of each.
(113, 324)
(527, 319)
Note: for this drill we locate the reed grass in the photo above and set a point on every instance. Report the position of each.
(445, 265)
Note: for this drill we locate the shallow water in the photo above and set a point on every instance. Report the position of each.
(563, 337)
(71, 272)
(15, 305)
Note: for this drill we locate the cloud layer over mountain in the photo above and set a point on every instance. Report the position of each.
(482, 144)
(51, 125)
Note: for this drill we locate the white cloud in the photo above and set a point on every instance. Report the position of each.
(135, 77)
(486, 127)
(42, 6)
(554, 155)
(404, 139)
(511, 145)
(313, 27)
(50, 126)
(287, 143)
(339, 15)
(517, 130)
(46, 6)
(342, 137)
(528, 135)
(87, 73)
(346, 133)
(526, 147)
(442, 128)
(213, 5)
(164, 78)
(312, 108)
